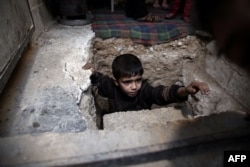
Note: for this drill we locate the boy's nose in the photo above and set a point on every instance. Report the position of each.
(133, 85)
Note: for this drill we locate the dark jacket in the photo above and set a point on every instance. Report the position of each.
(148, 95)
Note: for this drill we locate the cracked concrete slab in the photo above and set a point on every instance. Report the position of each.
(209, 136)
(48, 84)
(145, 119)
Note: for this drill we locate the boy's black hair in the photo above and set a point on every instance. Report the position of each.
(126, 65)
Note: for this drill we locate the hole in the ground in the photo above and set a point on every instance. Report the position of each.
(177, 62)
(162, 65)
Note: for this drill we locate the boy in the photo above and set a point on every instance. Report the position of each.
(127, 90)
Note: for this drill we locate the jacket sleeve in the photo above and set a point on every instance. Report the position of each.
(96, 78)
(170, 94)
(104, 83)
(162, 95)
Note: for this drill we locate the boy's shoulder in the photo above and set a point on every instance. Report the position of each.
(98, 77)
(145, 84)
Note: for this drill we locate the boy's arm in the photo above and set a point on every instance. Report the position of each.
(193, 88)
(95, 77)
(104, 83)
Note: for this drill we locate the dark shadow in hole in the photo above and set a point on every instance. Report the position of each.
(101, 105)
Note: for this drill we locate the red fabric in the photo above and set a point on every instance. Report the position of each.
(186, 10)
(176, 6)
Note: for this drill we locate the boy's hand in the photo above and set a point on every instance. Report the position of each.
(94, 78)
(196, 86)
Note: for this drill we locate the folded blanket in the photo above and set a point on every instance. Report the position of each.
(119, 26)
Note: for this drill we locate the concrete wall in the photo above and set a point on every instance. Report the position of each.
(41, 14)
(21, 22)
(16, 30)
(234, 80)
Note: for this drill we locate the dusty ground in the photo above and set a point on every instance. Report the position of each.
(163, 63)
(179, 62)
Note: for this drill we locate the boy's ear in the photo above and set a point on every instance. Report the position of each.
(115, 81)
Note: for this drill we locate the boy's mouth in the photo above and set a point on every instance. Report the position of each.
(132, 93)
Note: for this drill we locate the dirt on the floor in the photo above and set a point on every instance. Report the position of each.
(163, 63)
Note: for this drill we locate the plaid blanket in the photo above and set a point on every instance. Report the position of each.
(118, 25)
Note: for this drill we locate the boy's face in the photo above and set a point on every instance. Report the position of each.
(130, 85)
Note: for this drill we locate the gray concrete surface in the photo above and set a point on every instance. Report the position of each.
(16, 30)
(42, 17)
(178, 143)
(144, 119)
(46, 88)
(229, 76)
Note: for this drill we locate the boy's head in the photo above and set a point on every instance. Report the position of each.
(127, 71)
(126, 65)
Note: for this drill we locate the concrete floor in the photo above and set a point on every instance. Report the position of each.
(46, 87)
(43, 123)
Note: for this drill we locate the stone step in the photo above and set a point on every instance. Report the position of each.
(172, 143)
(144, 119)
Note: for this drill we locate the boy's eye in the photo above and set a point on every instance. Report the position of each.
(127, 82)
(138, 80)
